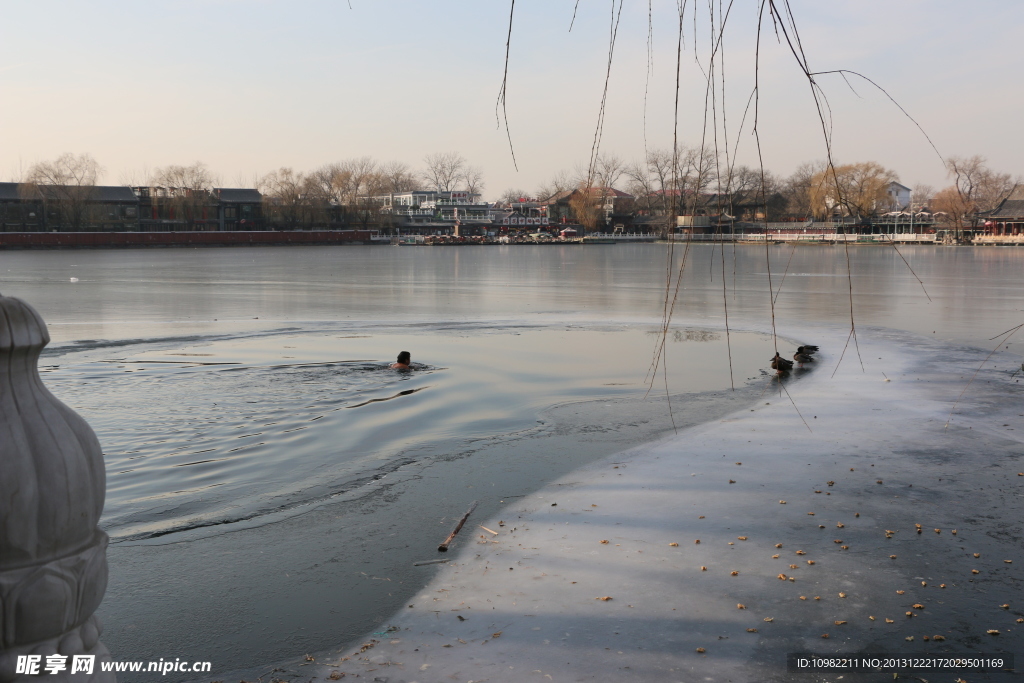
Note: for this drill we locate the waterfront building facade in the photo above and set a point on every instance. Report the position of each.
(1008, 218)
(435, 212)
(238, 208)
(27, 207)
(600, 206)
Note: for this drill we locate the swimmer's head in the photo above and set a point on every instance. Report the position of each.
(404, 357)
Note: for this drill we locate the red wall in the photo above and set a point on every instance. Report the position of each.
(156, 239)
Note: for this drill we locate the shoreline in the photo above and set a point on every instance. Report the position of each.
(14, 241)
(893, 467)
(301, 564)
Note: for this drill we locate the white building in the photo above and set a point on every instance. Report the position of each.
(899, 197)
(433, 210)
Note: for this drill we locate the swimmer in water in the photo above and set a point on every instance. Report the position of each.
(404, 359)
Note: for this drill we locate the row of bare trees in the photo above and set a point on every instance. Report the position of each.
(66, 187)
(348, 191)
(665, 182)
(341, 191)
(690, 181)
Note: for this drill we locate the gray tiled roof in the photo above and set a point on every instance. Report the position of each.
(9, 192)
(98, 193)
(114, 193)
(238, 195)
(1012, 206)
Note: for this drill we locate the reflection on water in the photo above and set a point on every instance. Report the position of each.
(140, 294)
(407, 392)
(688, 335)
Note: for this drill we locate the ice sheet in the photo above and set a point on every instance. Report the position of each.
(843, 491)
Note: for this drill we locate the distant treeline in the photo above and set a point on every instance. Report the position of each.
(351, 192)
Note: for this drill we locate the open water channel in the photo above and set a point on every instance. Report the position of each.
(270, 481)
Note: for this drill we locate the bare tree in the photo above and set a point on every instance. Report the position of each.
(920, 196)
(590, 202)
(395, 176)
(321, 181)
(284, 197)
(351, 189)
(513, 195)
(561, 182)
(473, 179)
(135, 177)
(855, 189)
(797, 188)
(65, 186)
(982, 188)
(364, 181)
(244, 179)
(586, 207)
(666, 183)
(750, 194)
(743, 180)
(445, 170)
(362, 176)
(608, 170)
(188, 191)
(952, 208)
(17, 173)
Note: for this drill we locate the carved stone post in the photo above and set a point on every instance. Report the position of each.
(53, 562)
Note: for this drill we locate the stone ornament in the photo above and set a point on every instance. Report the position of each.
(53, 563)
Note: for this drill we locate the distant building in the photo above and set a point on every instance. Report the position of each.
(522, 219)
(31, 208)
(174, 209)
(17, 213)
(432, 211)
(114, 208)
(238, 208)
(26, 207)
(607, 203)
(1008, 217)
(899, 197)
(163, 209)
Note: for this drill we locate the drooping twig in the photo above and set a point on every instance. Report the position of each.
(785, 273)
(783, 385)
(847, 344)
(669, 302)
(1009, 333)
(923, 289)
(504, 88)
(843, 72)
(853, 325)
(650, 65)
(599, 128)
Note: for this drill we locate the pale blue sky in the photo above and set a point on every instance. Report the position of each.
(248, 87)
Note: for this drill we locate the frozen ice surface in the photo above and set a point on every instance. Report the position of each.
(761, 491)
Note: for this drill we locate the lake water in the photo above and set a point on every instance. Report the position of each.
(244, 428)
(270, 480)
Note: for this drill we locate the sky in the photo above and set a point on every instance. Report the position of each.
(251, 86)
